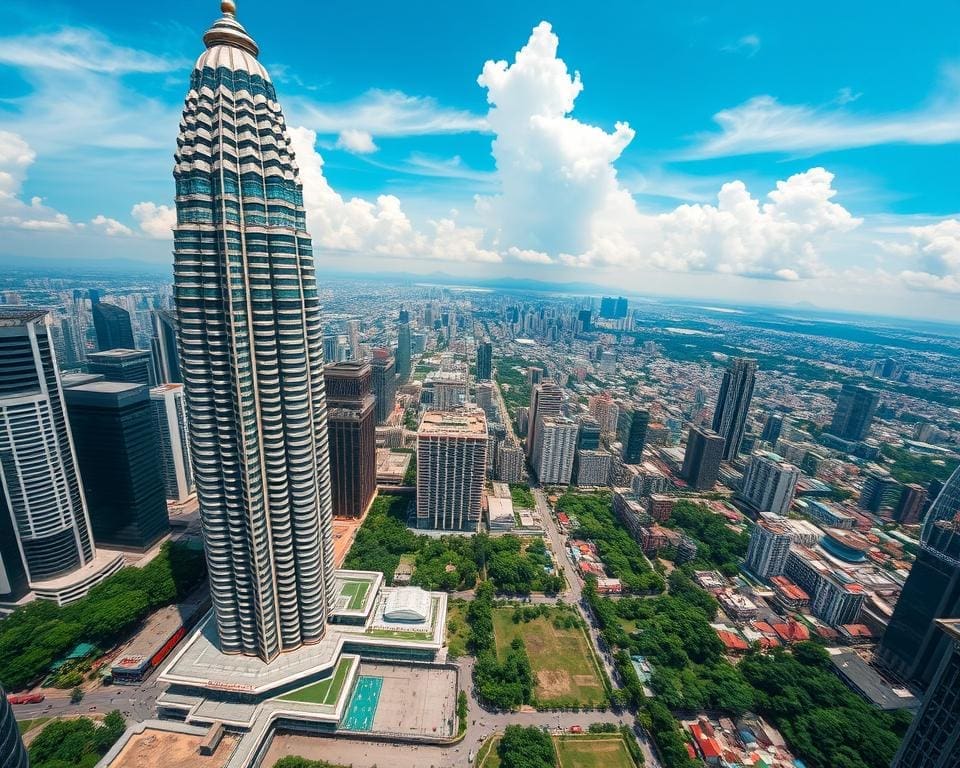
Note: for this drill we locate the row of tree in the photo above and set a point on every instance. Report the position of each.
(506, 683)
(35, 636)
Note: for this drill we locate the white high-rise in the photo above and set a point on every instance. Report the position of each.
(768, 549)
(769, 483)
(553, 452)
(251, 354)
(169, 411)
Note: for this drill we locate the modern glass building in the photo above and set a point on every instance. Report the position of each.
(251, 354)
(733, 404)
(353, 437)
(112, 324)
(12, 752)
(163, 345)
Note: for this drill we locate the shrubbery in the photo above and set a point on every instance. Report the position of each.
(77, 743)
(504, 684)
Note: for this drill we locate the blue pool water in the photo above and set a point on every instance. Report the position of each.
(363, 704)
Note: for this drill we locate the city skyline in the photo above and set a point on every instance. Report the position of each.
(385, 152)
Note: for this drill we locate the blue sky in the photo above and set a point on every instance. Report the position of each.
(654, 170)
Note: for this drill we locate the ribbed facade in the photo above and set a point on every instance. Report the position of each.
(733, 404)
(451, 469)
(169, 413)
(553, 453)
(45, 532)
(251, 354)
(12, 752)
(352, 436)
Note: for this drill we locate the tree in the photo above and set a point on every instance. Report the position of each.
(521, 747)
(76, 695)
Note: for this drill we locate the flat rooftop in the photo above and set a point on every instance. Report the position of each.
(159, 627)
(868, 682)
(469, 423)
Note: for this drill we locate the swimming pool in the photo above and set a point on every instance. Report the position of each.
(363, 704)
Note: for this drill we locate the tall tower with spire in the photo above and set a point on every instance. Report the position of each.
(251, 353)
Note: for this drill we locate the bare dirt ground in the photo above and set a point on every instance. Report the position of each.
(161, 749)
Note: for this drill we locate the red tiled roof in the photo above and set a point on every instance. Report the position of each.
(731, 641)
(792, 632)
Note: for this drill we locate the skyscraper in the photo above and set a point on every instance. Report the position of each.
(554, 450)
(635, 436)
(772, 428)
(44, 525)
(733, 404)
(546, 399)
(911, 646)
(933, 740)
(163, 345)
(403, 347)
(169, 413)
(12, 752)
(130, 366)
(768, 549)
(384, 384)
(701, 459)
(251, 340)
(112, 324)
(451, 469)
(115, 435)
(769, 483)
(856, 406)
(353, 437)
(484, 361)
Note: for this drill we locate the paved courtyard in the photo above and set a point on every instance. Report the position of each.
(414, 700)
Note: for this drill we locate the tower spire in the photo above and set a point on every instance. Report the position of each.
(228, 31)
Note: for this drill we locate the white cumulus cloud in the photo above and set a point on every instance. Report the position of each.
(155, 220)
(359, 142)
(932, 253)
(111, 227)
(16, 156)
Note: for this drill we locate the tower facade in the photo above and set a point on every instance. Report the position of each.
(701, 459)
(546, 399)
(251, 354)
(112, 324)
(353, 437)
(733, 404)
(163, 345)
(44, 526)
(855, 408)
(384, 384)
(170, 415)
(451, 469)
(769, 483)
(131, 366)
(12, 752)
(484, 361)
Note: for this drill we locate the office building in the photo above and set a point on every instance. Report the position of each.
(733, 404)
(112, 324)
(880, 493)
(585, 320)
(403, 349)
(910, 505)
(769, 483)
(772, 428)
(835, 597)
(12, 752)
(163, 345)
(353, 437)
(634, 435)
(911, 646)
(444, 390)
(353, 338)
(484, 361)
(605, 411)
(170, 417)
(701, 459)
(384, 384)
(485, 400)
(856, 406)
(553, 452)
(613, 308)
(534, 375)
(128, 366)
(588, 438)
(546, 399)
(933, 739)
(592, 468)
(46, 544)
(510, 460)
(115, 435)
(451, 469)
(768, 549)
(253, 365)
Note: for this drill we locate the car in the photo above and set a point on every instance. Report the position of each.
(576, 729)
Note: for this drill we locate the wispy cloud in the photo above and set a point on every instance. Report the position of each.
(747, 45)
(764, 124)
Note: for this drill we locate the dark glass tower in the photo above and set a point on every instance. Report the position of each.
(251, 354)
(403, 349)
(855, 408)
(911, 646)
(163, 345)
(353, 437)
(701, 460)
(12, 752)
(484, 361)
(635, 436)
(933, 740)
(384, 384)
(112, 324)
(130, 366)
(733, 404)
(118, 452)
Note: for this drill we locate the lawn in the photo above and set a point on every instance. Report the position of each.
(458, 631)
(592, 751)
(357, 592)
(488, 757)
(563, 664)
(27, 725)
(325, 692)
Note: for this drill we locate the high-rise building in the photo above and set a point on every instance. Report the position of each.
(44, 526)
(588, 438)
(170, 416)
(553, 452)
(353, 437)
(486, 400)
(769, 483)
(12, 752)
(856, 406)
(444, 390)
(768, 548)
(605, 411)
(733, 404)
(130, 366)
(163, 345)
(635, 436)
(484, 361)
(613, 308)
(585, 321)
(451, 469)
(251, 354)
(933, 740)
(910, 505)
(403, 350)
(546, 399)
(701, 459)
(592, 468)
(71, 341)
(534, 375)
(115, 434)
(880, 493)
(112, 324)
(353, 338)
(384, 384)
(772, 428)
(911, 646)
(509, 467)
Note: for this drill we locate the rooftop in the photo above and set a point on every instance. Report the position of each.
(464, 422)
